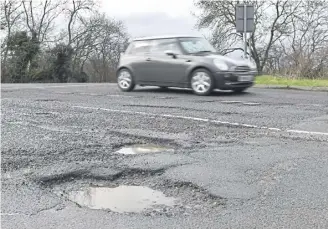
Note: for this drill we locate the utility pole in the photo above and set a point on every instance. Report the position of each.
(245, 31)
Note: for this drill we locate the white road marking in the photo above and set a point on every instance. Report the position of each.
(203, 120)
(219, 122)
(10, 214)
(234, 124)
(251, 104)
(250, 126)
(307, 132)
(276, 129)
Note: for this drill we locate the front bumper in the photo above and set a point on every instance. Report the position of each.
(231, 80)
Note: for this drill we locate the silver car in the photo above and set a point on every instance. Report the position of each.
(184, 62)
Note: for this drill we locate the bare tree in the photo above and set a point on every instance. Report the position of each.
(86, 40)
(309, 40)
(41, 50)
(40, 17)
(303, 51)
(39, 20)
(77, 7)
(272, 21)
(100, 46)
(10, 15)
(67, 44)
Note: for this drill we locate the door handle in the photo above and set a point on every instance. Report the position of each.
(188, 60)
(148, 59)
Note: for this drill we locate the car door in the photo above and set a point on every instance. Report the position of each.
(137, 58)
(164, 68)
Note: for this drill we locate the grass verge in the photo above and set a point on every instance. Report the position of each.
(282, 81)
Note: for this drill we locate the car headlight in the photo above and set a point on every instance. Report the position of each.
(220, 65)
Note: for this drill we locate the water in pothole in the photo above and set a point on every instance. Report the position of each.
(121, 199)
(146, 148)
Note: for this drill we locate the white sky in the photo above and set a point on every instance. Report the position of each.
(153, 17)
(156, 17)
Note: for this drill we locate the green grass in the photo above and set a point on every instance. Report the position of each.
(282, 81)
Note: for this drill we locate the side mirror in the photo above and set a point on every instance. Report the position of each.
(171, 53)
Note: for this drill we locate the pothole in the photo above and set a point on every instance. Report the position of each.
(131, 191)
(143, 148)
(121, 199)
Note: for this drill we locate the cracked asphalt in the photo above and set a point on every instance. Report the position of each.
(252, 160)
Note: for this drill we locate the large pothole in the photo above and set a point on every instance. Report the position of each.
(121, 199)
(133, 192)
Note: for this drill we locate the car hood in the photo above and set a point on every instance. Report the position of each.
(228, 60)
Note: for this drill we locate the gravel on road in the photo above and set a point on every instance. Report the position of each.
(252, 160)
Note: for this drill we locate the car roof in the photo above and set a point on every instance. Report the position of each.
(163, 37)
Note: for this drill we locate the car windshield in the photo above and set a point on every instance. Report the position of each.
(195, 45)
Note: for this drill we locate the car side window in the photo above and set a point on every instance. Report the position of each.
(192, 46)
(139, 48)
(158, 47)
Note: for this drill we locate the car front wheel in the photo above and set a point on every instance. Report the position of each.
(125, 80)
(202, 82)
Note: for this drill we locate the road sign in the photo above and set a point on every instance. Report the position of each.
(244, 22)
(241, 18)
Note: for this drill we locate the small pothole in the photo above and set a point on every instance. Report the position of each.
(121, 199)
(143, 148)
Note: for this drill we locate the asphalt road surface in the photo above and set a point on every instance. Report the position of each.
(252, 160)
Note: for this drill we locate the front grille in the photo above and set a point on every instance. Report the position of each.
(242, 69)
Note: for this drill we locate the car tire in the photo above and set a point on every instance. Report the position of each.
(239, 90)
(201, 82)
(125, 80)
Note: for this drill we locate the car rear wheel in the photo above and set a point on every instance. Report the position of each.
(125, 80)
(201, 82)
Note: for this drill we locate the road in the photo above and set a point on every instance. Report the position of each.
(252, 160)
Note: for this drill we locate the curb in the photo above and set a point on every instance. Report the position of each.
(320, 89)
